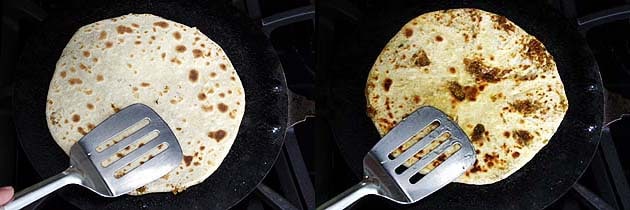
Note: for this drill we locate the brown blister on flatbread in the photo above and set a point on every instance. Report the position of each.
(121, 29)
(75, 81)
(387, 83)
(217, 135)
(502, 23)
(102, 35)
(180, 48)
(197, 53)
(478, 133)
(535, 51)
(526, 106)
(482, 72)
(523, 137)
(193, 75)
(162, 24)
(222, 107)
(420, 59)
(457, 91)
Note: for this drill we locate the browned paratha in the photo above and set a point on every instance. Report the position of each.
(489, 75)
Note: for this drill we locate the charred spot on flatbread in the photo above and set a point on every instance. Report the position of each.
(526, 106)
(387, 83)
(478, 133)
(420, 59)
(483, 72)
(523, 137)
(457, 91)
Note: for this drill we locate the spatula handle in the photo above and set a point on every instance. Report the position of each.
(43, 188)
(349, 196)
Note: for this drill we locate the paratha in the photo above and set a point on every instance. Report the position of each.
(174, 69)
(495, 80)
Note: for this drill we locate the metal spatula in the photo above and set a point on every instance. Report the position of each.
(126, 151)
(386, 176)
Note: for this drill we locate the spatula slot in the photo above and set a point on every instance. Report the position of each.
(448, 152)
(130, 148)
(123, 134)
(445, 154)
(434, 144)
(415, 178)
(157, 150)
(414, 139)
(400, 169)
(423, 152)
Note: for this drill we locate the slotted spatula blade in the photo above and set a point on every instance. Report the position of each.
(126, 151)
(427, 132)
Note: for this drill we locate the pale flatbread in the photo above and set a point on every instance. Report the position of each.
(141, 58)
(498, 82)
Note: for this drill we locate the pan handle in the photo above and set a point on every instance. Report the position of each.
(349, 196)
(43, 188)
(615, 107)
(300, 108)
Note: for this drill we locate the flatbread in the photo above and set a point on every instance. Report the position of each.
(174, 69)
(498, 82)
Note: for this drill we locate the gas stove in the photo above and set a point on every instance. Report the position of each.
(606, 27)
(289, 25)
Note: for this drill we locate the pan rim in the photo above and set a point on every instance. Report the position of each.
(337, 100)
(280, 103)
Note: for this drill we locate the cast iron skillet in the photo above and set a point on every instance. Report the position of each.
(261, 132)
(540, 182)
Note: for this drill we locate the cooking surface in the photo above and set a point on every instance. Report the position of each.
(269, 110)
(345, 24)
(310, 156)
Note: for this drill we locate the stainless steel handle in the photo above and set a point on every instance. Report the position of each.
(300, 108)
(43, 188)
(349, 196)
(615, 107)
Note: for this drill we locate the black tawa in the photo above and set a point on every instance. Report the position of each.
(261, 132)
(548, 176)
